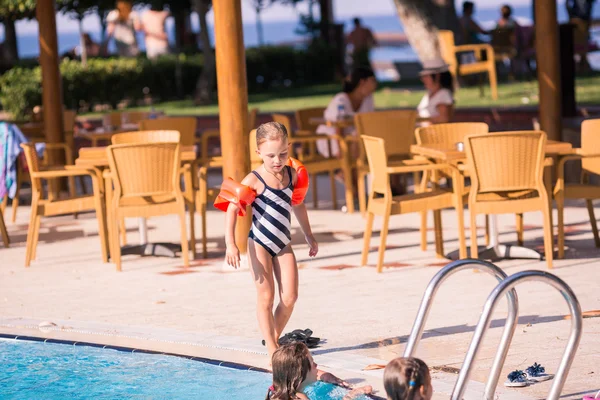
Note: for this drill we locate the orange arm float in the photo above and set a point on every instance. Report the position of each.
(302, 182)
(236, 193)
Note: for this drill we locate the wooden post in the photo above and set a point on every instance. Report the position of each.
(548, 67)
(51, 81)
(233, 100)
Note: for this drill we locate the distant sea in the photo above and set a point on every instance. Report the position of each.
(281, 32)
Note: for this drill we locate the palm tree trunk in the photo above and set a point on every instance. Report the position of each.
(11, 50)
(206, 81)
(259, 28)
(82, 43)
(422, 34)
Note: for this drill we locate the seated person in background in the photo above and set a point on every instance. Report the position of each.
(356, 97)
(294, 370)
(506, 21)
(470, 29)
(437, 106)
(407, 378)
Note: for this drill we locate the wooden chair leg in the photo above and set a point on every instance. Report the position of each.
(192, 212)
(348, 189)
(560, 206)
(519, 229)
(590, 208)
(36, 237)
(362, 194)
(423, 230)
(474, 250)
(333, 189)
(123, 231)
(548, 237)
(367, 238)
(439, 239)
(314, 191)
(185, 251)
(3, 204)
(30, 233)
(102, 231)
(3, 230)
(15, 204)
(383, 242)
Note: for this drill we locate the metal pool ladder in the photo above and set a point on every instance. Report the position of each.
(509, 329)
(507, 286)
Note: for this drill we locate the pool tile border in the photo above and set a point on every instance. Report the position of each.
(226, 364)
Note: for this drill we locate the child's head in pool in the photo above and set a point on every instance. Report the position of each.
(293, 369)
(407, 378)
(272, 145)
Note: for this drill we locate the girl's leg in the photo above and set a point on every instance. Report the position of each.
(286, 274)
(262, 273)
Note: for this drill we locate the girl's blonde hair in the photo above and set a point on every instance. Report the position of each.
(404, 377)
(270, 131)
(291, 364)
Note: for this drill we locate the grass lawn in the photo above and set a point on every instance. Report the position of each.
(389, 95)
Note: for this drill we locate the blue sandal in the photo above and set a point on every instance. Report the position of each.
(537, 373)
(516, 378)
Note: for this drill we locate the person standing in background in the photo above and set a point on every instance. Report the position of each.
(580, 14)
(153, 25)
(469, 28)
(122, 24)
(362, 40)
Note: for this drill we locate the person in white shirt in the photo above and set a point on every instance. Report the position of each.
(356, 97)
(153, 23)
(437, 106)
(122, 24)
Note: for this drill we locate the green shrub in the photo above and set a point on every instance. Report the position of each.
(109, 81)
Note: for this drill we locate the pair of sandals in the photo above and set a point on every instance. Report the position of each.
(533, 374)
(299, 335)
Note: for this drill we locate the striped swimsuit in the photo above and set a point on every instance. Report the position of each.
(271, 216)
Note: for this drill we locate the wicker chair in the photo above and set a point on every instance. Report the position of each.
(450, 51)
(146, 179)
(303, 116)
(589, 154)
(41, 207)
(164, 136)
(132, 117)
(215, 135)
(388, 205)
(507, 176)
(396, 128)
(186, 126)
(3, 231)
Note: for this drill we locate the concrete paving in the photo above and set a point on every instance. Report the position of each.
(363, 317)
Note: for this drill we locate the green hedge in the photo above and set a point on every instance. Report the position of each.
(109, 81)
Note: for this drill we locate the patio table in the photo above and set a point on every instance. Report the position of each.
(103, 134)
(496, 250)
(96, 157)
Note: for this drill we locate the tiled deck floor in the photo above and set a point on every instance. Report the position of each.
(357, 311)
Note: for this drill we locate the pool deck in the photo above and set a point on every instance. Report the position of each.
(208, 310)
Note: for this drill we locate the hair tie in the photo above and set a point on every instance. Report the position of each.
(411, 383)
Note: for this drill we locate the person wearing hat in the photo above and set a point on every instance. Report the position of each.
(437, 106)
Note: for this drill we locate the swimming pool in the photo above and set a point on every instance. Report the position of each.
(33, 370)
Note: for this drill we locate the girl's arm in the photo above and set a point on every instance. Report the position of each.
(232, 254)
(302, 217)
(445, 111)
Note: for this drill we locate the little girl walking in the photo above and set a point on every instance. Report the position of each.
(279, 189)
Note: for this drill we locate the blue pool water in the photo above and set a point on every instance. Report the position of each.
(36, 370)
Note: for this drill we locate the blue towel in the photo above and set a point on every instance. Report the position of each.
(11, 138)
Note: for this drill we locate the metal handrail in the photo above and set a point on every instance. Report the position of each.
(511, 320)
(484, 322)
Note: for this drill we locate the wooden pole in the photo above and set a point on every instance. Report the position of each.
(233, 100)
(51, 80)
(548, 67)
